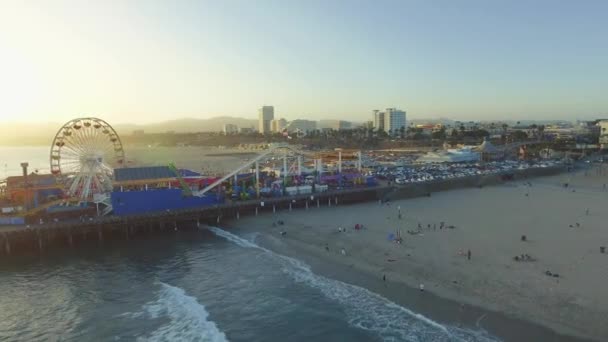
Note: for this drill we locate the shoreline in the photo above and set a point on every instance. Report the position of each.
(441, 309)
(501, 287)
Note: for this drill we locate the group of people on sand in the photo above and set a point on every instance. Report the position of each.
(523, 257)
(357, 226)
(576, 224)
(342, 250)
(441, 226)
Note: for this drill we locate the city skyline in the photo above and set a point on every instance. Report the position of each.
(145, 62)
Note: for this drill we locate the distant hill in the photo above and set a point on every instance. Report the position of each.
(188, 125)
(14, 134)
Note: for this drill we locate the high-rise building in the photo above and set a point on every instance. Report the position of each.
(603, 129)
(394, 120)
(230, 129)
(266, 115)
(304, 126)
(277, 126)
(378, 120)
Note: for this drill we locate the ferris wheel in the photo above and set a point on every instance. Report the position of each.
(83, 156)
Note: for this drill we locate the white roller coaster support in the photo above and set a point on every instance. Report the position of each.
(257, 179)
(285, 168)
(339, 161)
(299, 165)
(239, 169)
(255, 161)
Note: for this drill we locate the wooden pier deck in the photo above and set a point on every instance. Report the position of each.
(35, 238)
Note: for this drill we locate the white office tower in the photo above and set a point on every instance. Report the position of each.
(378, 120)
(266, 115)
(394, 120)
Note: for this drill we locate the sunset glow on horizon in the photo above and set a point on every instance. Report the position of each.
(147, 61)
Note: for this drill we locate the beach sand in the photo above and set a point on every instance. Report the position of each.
(489, 222)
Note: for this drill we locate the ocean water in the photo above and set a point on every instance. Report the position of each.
(196, 286)
(11, 158)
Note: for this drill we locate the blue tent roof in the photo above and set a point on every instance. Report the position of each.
(141, 173)
(188, 173)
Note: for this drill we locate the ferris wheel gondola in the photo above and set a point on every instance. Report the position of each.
(84, 153)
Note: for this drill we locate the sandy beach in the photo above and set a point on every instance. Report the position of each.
(564, 229)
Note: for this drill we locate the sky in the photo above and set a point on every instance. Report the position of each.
(146, 61)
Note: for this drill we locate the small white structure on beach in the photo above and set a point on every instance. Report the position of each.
(452, 155)
(488, 151)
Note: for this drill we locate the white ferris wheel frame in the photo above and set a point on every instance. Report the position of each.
(83, 156)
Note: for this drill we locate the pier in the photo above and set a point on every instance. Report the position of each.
(38, 238)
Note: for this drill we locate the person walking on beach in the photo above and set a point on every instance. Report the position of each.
(469, 254)
(587, 211)
(384, 278)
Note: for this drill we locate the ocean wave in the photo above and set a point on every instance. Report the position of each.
(188, 318)
(365, 309)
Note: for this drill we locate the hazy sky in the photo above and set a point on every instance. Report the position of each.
(144, 61)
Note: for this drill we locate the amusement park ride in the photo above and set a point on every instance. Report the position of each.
(86, 152)
(292, 163)
(83, 155)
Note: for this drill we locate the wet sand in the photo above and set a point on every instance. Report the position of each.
(489, 222)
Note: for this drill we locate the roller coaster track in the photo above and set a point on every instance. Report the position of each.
(515, 145)
(272, 150)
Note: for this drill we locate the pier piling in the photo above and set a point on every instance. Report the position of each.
(7, 245)
(39, 240)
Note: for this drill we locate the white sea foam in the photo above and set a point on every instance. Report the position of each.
(365, 309)
(188, 319)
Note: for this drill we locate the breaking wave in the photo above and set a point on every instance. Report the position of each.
(365, 309)
(188, 318)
